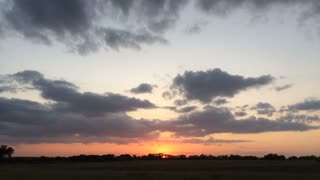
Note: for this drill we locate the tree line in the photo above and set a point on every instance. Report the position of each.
(6, 153)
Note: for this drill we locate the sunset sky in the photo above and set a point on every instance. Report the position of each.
(150, 76)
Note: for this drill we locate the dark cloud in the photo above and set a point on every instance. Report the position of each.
(220, 101)
(31, 122)
(116, 39)
(220, 120)
(68, 98)
(168, 95)
(186, 109)
(143, 88)
(88, 26)
(284, 87)
(180, 102)
(70, 116)
(264, 109)
(7, 89)
(309, 8)
(240, 113)
(211, 141)
(206, 85)
(181, 110)
(307, 105)
(302, 118)
(81, 25)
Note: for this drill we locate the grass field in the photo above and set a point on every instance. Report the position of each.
(156, 170)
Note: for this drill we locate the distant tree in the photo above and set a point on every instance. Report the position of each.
(9, 152)
(274, 157)
(6, 151)
(125, 157)
(182, 156)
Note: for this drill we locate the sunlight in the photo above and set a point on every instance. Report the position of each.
(164, 149)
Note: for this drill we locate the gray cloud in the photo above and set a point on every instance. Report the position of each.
(7, 89)
(307, 105)
(195, 28)
(116, 39)
(220, 120)
(186, 109)
(220, 101)
(308, 8)
(169, 95)
(264, 109)
(181, 110)
(302, 118)
(82, 27)
(143, 88)
(68, 98)
(211, 140)
(70, 116)
(86, 27)
(206, 85)
(73, 116)
(26, 121)
(284, 87)
(180, 102)
(240, 113)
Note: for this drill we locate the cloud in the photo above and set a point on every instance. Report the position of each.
(240, 113)
(68, 115)
(264, 109)
(116, 39)
(30, 122)
(85, 27)
(168, 95)
(68, 98)
(181, 110)
(284, 87)
(193, 29)
(143, 88)
(7, 89)
(307, 105)
(220, 101)
(301, 118)
(206, 85)
(211, 140)
(220, 120)
(180, 102)
(308, 8)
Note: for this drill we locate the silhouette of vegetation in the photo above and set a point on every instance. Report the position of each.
(6, 155)
(6, 151)
(157, 166)
(158, 156)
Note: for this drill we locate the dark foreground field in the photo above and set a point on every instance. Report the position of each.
(170, 169)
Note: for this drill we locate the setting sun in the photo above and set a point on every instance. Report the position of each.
(165, 149)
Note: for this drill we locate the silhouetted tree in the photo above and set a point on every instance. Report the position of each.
(293, 158)
(125, 157)
(6, 151)
(274, 157)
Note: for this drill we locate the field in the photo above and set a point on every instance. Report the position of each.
(167, 169)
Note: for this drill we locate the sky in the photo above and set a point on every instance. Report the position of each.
(160, 76)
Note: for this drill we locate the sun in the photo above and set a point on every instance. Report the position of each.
(165, 149)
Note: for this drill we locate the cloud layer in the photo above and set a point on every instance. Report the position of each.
(68, 115)
(86, 27)
(206, 85)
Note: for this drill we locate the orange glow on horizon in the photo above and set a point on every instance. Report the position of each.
(163, 148)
